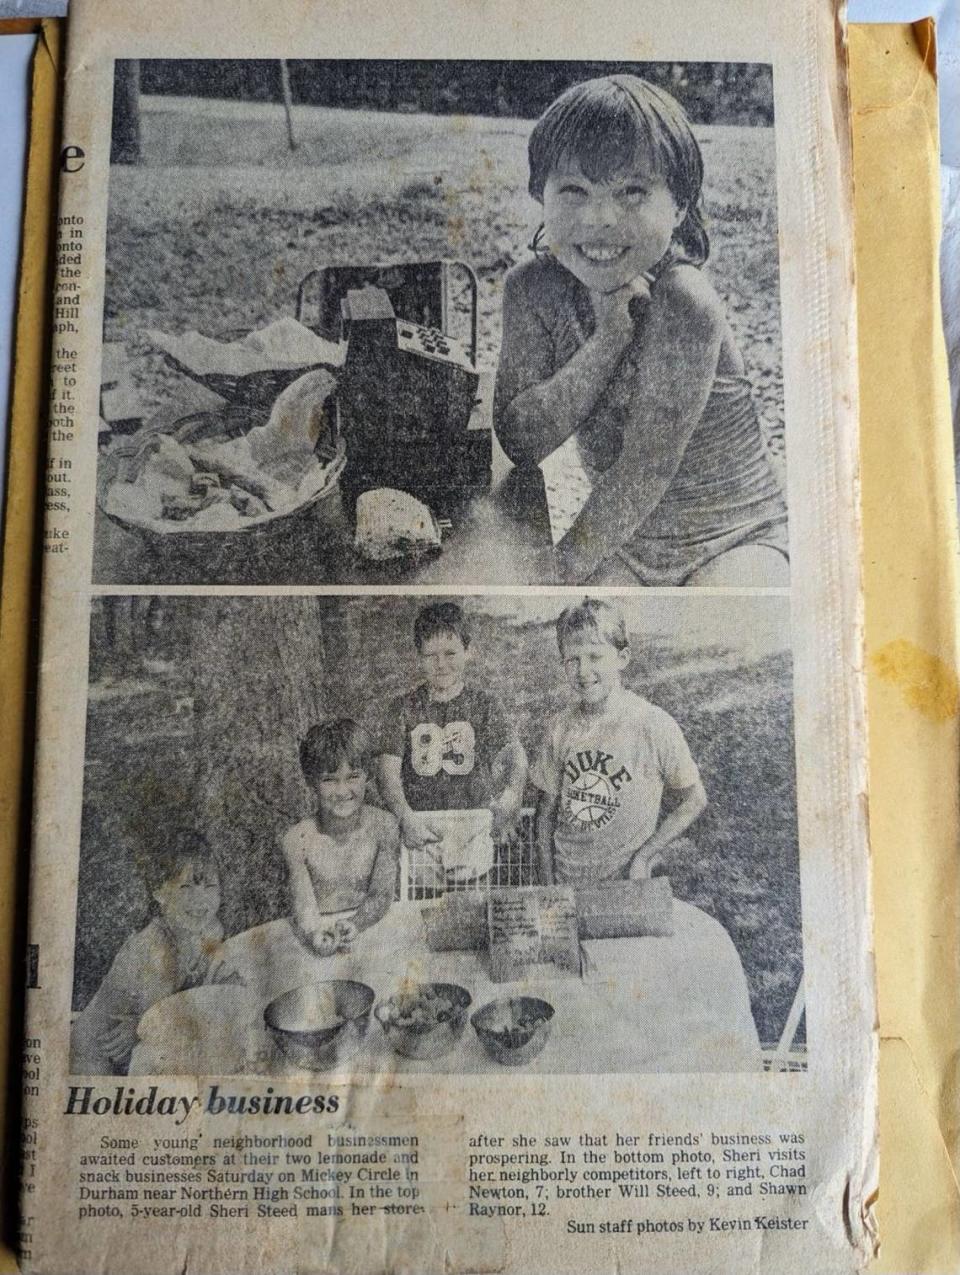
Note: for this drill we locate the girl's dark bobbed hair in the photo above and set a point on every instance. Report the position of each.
(611, 125)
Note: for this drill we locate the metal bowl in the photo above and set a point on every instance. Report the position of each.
(300, 1022)
(514, 1031)
(433, 1032)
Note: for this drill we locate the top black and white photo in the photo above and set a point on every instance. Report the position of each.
(466, 322)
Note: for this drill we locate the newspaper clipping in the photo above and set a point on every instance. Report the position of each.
(449, 842)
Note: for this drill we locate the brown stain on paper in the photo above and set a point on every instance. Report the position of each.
(926, 682)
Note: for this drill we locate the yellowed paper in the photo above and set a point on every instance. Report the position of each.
(910, 583)
(911, 645)
(19, 560)
(697, 1098)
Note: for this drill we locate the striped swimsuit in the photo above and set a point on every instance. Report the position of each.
(724, 493)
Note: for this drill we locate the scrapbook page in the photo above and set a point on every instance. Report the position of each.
(450, 744)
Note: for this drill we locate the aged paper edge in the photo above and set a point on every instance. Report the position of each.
(852, 640)
(910, 594)
(19, 561)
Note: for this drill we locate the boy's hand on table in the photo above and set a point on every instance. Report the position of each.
(346, 932)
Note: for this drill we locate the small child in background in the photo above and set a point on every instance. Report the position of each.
(615, 337)
(605, 763)
(341, 860)
(448, 745)
(170, 954)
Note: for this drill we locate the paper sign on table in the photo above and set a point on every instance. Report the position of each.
(533, 929)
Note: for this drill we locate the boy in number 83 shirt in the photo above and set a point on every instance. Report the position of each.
(447, 745)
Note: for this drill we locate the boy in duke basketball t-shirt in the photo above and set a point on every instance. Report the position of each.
(448, 745)
(605, 763)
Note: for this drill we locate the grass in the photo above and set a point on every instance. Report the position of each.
(220, 222)
(732, 702)
(213, 231)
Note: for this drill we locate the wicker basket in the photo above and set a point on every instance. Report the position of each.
(204, 554)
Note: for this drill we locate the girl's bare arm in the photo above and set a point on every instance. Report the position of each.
(672, 368)
(535, 409)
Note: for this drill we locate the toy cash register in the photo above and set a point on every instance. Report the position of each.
(407, 389)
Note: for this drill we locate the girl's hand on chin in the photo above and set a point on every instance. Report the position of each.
(620, 309)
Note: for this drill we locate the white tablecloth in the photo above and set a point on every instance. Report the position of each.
(677, 1004)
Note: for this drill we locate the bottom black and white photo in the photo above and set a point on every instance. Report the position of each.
(552, 833)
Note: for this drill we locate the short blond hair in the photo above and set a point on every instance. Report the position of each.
(601, 619)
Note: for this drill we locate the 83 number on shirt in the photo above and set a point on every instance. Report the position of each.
(450, 748)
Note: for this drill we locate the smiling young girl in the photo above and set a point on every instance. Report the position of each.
(614, 335)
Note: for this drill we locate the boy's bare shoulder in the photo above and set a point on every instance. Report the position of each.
(687, 289)
(382, 823)
(140, 950)
(140, 943)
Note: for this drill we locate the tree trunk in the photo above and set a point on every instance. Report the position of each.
(258, 670)
(287, 96)
(125, 141)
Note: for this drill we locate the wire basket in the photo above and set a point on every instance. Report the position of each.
(514, 864)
